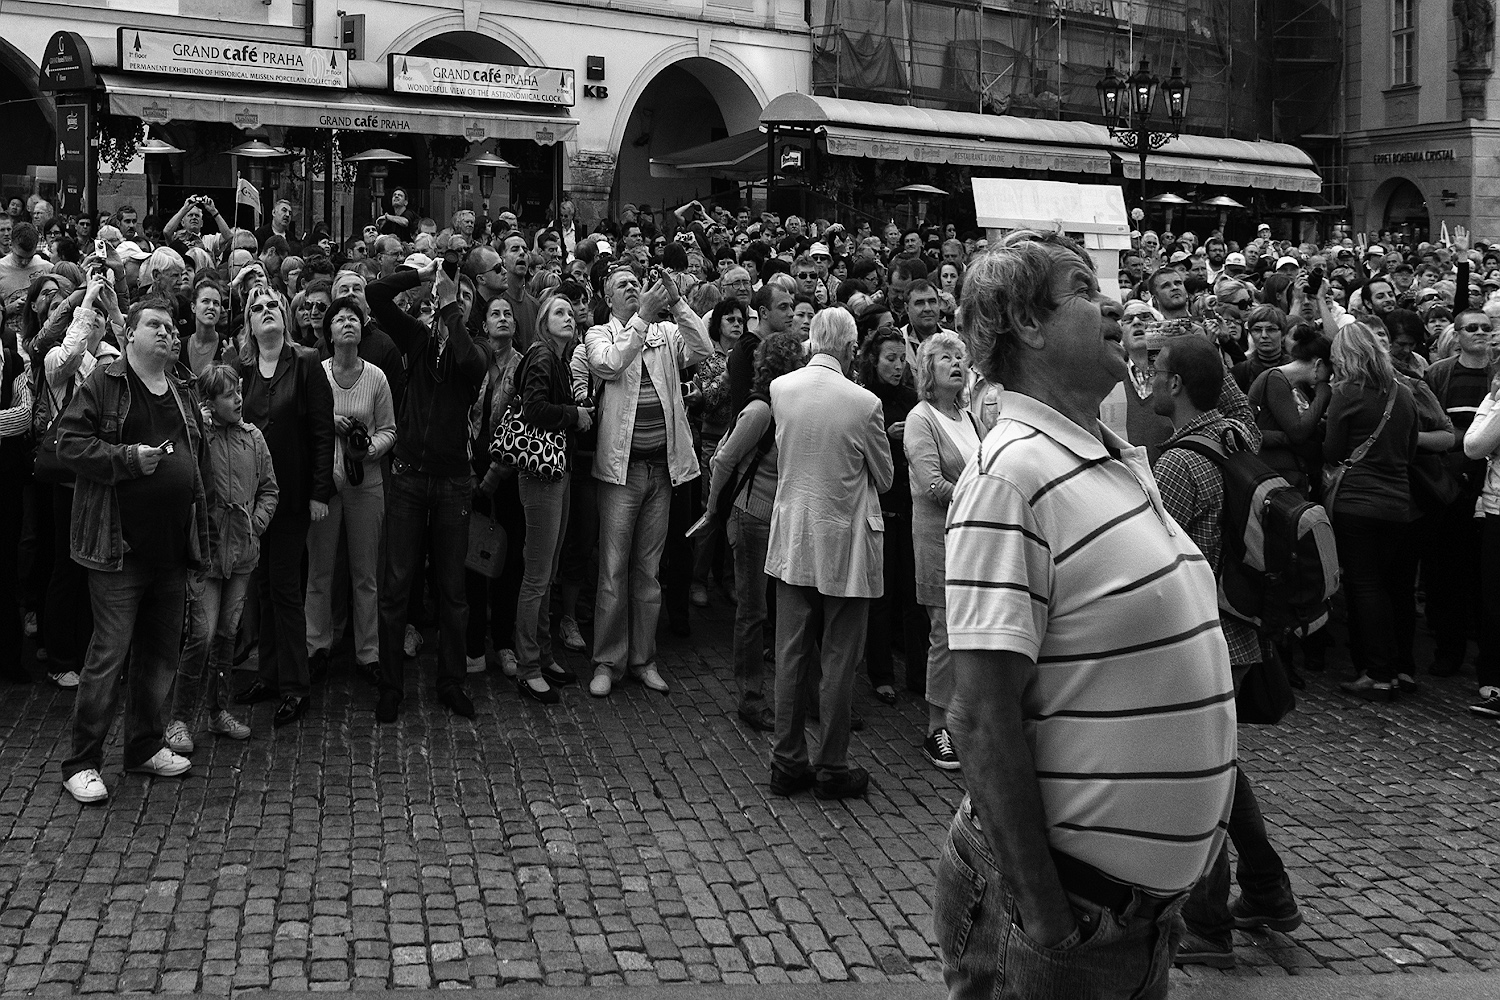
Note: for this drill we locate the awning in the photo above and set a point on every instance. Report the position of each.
(739, 157)
(898, 132)
(159, 101)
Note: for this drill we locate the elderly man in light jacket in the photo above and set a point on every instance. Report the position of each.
(825, 552)
(645, 449)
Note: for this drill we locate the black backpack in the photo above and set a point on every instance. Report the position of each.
(1280, 566)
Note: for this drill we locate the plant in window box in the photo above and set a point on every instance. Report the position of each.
(119, 138)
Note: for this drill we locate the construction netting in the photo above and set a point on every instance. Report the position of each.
(1256, 70)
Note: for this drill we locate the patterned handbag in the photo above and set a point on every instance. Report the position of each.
(527, 448)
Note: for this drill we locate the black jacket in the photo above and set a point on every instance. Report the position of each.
(294, 411)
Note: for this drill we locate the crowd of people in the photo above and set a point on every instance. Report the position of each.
(218, 438)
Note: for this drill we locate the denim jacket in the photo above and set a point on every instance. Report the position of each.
(88, 442)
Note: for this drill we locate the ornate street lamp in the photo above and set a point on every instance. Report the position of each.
(378, 161)
(1128, 106)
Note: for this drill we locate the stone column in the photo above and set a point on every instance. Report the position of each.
(1473, 84)
(591, 178)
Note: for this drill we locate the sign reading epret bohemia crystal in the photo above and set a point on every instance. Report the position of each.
(227, 58)
(485, 81)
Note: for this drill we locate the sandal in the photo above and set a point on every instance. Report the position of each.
(886, 693)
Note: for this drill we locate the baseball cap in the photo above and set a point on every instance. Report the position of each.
(1179, 257)
(130, 250)
(417, 261)
(1284, 261)
(1264, 225)
(1235, 258)
(605, 248)
(1375, 250)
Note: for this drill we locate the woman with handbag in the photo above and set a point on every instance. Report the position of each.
(286, 395)
(1369, 444)
(544, 394)
(364, 422)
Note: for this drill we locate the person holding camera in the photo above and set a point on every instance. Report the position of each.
(184, 230)
(364, 423)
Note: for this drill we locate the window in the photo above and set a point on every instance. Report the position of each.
(1403, 42)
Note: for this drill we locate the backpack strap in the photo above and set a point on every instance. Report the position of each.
(1204, 445)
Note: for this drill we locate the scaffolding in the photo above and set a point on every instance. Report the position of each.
(1042, 58)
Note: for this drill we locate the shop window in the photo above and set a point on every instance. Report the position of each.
(1403, 43)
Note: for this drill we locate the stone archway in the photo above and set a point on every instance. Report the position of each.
(1400, 206)
(30, 115)
(685, 102)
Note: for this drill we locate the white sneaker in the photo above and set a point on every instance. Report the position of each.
(178, 739)
(67, 680)
(475, 664)
(509, 665)
(224, 724)
(604, 679)
(651, 677)
(86, 786)
(164, 764)
(572, 635)
(413, 643)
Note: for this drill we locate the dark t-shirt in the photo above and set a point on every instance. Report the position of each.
(156, 511)
(1467, 388)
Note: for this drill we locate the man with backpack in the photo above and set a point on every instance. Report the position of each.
(1188, 378)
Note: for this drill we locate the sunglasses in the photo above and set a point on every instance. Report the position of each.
(1476, 328)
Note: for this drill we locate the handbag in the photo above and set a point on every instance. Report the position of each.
(1265, 693)
(487, 546)
(1333, 475)
(48, 468)
(526, 447)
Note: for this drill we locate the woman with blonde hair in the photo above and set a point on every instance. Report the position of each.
(941, 436)
(287, 396)
(1372, 435)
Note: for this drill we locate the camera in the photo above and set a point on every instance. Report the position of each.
(1314, 281)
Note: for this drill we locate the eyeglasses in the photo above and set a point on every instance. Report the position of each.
(317, 307)
(1476, 328)
(807, 275)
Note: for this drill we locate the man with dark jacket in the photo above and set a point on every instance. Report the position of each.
(432, 485)
(134, 438)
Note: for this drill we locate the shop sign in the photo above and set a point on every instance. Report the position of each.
(226, 58)
(155, 114)
(68, 63)
(1414, 156)
(480, 81)
(75, 132)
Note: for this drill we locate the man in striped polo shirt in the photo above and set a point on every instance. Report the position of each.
(1094, 709)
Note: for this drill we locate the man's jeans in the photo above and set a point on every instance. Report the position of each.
(137, 611)
(632, 533)
(213, 617)
(749, 536)
(985, 954)
(419, 508)
(1262, 877)
(806, 620)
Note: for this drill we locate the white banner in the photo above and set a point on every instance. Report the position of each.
(483, 81)
(226, 58)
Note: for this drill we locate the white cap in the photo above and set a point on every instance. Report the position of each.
(1375, 250)
(1235, 258)
(604, 247)
(818, 250)
(417, 261)
(130, 250)
(1284, 261)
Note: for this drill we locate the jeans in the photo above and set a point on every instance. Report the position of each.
(213, 615)
(678, 557)
(357, 514)
(806, 619)
(582, 534)
(632, 533)
(283, 614)
(10, 600)
(420, 508)
(1378, 561)
(498, 596)
(897, 621)
(941, 677)
(66, 633)
(1488, 664)
(138, 612)
(546, 505)
(749, 536)
(1262, 877)
(1450, 571)
(986, 954)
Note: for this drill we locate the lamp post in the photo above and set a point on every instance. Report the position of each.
(1129, 104)
(151, 149)
(486, 164)
(379, 169)
(253, 149)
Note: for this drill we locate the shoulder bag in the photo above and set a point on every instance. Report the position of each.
(524, 446)
(1333, 475)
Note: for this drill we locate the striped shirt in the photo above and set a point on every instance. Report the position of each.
(1059, 548)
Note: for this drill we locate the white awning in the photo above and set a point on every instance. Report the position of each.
(158, 101)
(899, 132)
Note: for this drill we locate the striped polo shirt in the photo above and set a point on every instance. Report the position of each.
(1059, 548)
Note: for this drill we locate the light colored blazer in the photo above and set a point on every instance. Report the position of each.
(615, 352)
(934, 464)
(833, 462)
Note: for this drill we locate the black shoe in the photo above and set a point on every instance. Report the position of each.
(856, 721)
(368, 672)
(317, 666)
(1369, 689)
(758, 717)
(1295, 679)
(258, 691)
(1488, 704)
(1407, 684)
(289, 711)
(1195, 950)
(852, 784)
(388, 707)
(458, 703)
(886, 693)
(1248, 916)
(547, 695)
(783, 783)
(558, 675)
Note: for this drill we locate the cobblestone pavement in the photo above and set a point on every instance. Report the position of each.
(633, 840)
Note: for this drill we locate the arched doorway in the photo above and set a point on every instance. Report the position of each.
(1406, 212)
(30, 118)
(689, 102)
